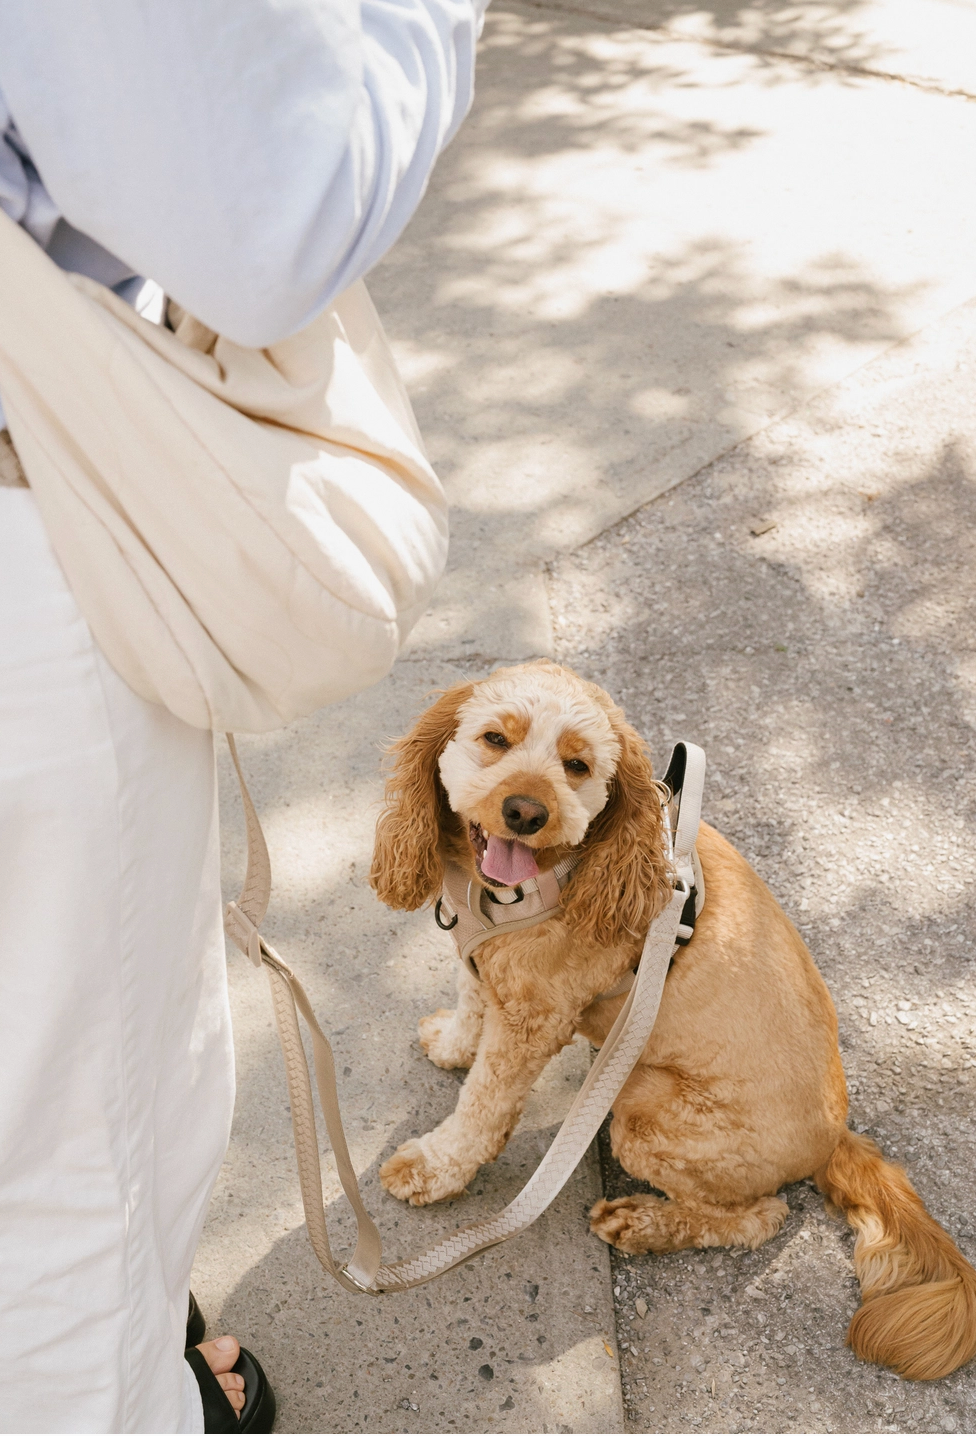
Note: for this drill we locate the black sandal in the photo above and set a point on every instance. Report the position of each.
(259, 1409)
(196, 1325)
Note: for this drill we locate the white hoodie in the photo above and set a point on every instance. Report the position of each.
(253, 157)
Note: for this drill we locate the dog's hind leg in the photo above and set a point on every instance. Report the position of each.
(677, 1131)
(657, 1224)
(450, 1037)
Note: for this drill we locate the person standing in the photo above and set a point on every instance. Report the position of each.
(250, 159)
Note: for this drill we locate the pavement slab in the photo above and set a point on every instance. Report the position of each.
(520, 1338)
(803, 608)
(640, 251)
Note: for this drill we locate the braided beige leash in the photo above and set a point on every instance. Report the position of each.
(610, 1070)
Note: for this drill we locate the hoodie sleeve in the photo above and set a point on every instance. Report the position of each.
(254, 157)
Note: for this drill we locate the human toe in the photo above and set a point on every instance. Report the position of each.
(221, 1354)
(233, 1388)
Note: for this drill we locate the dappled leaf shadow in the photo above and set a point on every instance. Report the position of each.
(565, 362)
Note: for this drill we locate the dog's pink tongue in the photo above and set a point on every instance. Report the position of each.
(509, 863)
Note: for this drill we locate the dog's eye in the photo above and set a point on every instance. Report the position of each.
(576, 765)
(497, 740)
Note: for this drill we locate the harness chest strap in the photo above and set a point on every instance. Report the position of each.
(366, 1272)
(474, 915)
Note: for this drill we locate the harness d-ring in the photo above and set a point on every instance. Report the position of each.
(444, 926)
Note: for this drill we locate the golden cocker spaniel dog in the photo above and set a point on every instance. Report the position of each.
(740, 1089)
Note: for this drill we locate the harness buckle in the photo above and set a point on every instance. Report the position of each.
(519, 897)
(686, 927)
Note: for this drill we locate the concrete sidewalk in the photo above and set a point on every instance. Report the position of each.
(671, 241)
(641, 251)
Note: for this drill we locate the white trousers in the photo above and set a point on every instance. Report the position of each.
(116, 1065)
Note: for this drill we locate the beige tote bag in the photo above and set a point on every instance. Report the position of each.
(249, 533)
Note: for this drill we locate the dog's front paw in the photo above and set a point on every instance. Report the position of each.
(415, 1177)
(447, 1041)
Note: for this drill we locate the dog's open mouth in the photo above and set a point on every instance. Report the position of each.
(502, 860)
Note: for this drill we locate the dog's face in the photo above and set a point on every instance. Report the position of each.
(528, 769)
(504, 776)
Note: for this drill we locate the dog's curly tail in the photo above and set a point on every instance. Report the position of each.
(918, 1290)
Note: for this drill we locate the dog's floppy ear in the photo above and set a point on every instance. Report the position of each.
(407, 866)
(623, 879)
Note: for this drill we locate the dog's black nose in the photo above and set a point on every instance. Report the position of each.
(524, 815)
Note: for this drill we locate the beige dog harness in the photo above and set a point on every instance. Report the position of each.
(472, 914)
(366, 1271)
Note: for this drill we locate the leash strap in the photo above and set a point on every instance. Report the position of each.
(614, 1063)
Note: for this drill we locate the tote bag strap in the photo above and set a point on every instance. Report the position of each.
(366, 1271)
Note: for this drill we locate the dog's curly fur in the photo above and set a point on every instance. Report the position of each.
(408, 858)
(740, 1088)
